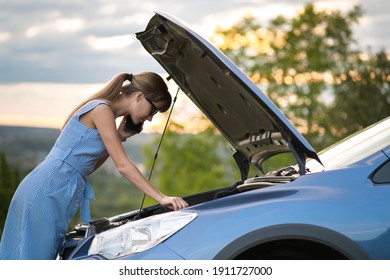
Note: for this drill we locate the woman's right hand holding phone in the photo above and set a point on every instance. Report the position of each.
(124, 132)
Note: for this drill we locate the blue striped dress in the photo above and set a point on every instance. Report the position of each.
(49, 197)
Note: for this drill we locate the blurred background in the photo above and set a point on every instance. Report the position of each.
(324, 63)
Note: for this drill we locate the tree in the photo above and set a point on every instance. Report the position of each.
(306, 62)
(362, 95)
(9, 180)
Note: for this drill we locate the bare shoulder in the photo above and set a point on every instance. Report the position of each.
(101, 113)
(103, 108)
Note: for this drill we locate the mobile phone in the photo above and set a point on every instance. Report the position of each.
(130, 126)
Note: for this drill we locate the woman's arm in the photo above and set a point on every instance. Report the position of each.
(104, 120)
(123, 135)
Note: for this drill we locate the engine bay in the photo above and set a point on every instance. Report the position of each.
(83, 232)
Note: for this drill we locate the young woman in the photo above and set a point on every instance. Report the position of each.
(48, 198)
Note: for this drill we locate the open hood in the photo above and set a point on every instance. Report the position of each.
(246, 117)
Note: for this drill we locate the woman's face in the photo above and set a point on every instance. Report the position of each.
(145, 109)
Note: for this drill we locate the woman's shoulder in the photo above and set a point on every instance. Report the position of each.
(92, 105)
(96, 102)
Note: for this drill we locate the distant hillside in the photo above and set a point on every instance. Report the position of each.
(25, 147)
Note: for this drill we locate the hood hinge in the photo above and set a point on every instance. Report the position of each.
(299, 156)
(242, 163)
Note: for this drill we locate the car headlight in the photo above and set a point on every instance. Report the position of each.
(138, 236)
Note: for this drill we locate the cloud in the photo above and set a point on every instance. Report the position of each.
(52, 51)
(4, 36)
(61, 25)
(89, 41)
(110, 43)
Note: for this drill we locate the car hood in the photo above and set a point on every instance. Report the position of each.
(246, 117)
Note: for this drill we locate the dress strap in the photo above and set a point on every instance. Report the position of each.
(89, 106)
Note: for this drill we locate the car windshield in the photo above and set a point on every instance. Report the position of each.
(353, 148)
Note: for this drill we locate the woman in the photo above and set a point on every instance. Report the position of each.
(48, 198)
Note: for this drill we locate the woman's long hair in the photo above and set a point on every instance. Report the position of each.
(150, 84)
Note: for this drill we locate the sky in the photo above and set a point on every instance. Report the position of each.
(55, 53)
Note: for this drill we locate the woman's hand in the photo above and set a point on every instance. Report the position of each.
(175, 203)
(124, 133)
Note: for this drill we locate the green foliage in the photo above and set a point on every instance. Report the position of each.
(114, 194)
(309, 67)
(315, 43)
(362, 97)
(9, 180)
(191, 163)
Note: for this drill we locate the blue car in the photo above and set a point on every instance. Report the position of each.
(330, 205)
